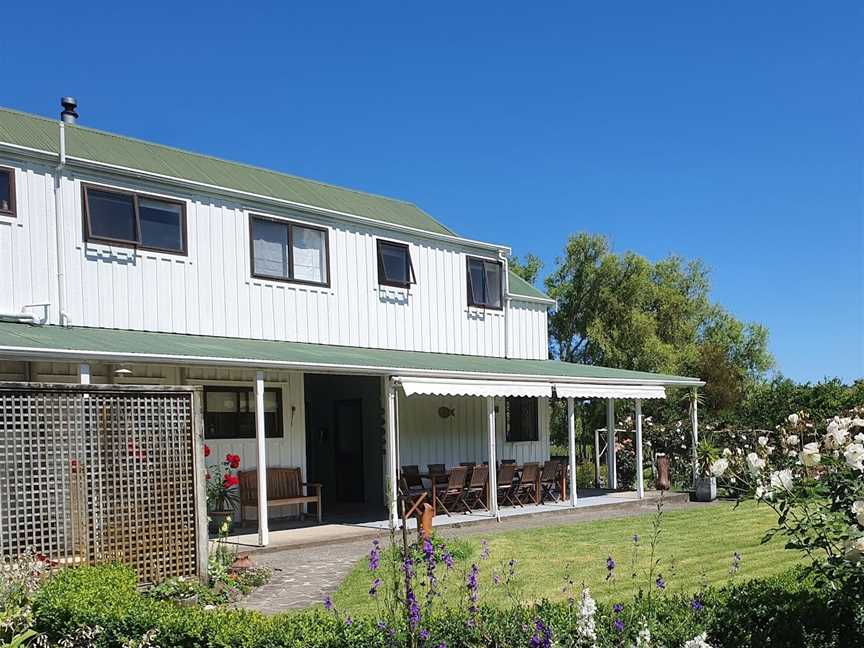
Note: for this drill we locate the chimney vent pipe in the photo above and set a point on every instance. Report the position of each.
(69, 115)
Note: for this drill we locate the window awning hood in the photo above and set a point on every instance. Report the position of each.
(610, 391)
(462, 387)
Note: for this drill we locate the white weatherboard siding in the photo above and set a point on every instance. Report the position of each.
(211, 291)
(28, 267)
(425, 437)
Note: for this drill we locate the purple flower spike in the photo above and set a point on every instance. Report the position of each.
(618, 608)
(660, 582)
(697, 605)
(619, 625)
(328, 604)
(373, 591)
(424, 634)
(374, 556)
(485, 553)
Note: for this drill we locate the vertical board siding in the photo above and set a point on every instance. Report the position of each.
(425, 437)
(211, 291)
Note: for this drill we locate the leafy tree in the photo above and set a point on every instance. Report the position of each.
(528, 269)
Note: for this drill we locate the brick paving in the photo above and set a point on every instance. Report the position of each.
(304, 576)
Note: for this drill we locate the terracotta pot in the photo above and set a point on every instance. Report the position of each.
(662, 482)
(242, 562)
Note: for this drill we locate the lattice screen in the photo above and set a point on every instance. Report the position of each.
(94, 474)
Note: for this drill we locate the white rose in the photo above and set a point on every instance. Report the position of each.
(792, 440)
(755, 464)
(860, 438)
(763, 441)
(837, 433)
(761, 493)
(700, 641)
(782, 479)
(855, 549)
(793, 419)
(727, 452)
(719, 467)
(855, 456)
(857, 422)
(810, 456)
(858, 511)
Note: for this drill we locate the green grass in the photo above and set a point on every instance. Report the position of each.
(695, 547)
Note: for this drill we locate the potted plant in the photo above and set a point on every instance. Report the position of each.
(706, 480)
(222, 490)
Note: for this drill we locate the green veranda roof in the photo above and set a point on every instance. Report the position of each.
(112, 345)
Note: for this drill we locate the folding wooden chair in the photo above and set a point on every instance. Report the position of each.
(451, 495)
(506, 472)
(475, 492)
(411, 475)
(527, 486)
(549, 485)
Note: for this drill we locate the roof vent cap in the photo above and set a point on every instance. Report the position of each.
(69, 115)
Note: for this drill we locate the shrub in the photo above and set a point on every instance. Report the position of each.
(782, 611)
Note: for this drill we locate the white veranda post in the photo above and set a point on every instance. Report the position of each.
(392, 456)
(493, 463)
(84, 374)
(261, 464)
(694, 426)
(611, 459)
(640, 471)
(571, 437)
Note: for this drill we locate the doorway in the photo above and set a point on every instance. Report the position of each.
(344, 444)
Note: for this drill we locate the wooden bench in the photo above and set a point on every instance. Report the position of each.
(284, 487)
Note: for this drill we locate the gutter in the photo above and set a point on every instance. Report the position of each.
(194, 184)
(129, 357)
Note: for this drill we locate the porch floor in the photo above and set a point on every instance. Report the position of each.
(297, 534)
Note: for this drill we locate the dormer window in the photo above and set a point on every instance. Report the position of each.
(131, 219)
(7, 192)
(484, 283)
(394, 265)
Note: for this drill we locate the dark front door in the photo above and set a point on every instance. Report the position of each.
(348, 450)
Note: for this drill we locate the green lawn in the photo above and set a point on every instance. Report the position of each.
(695, 546)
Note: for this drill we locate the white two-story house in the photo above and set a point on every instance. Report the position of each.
(371, 335)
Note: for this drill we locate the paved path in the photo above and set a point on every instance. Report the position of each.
(305, 575)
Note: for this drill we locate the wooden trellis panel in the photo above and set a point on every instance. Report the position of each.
(104, 473)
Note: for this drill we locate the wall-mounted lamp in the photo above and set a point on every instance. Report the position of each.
(122, 372)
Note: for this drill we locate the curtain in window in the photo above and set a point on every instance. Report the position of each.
(308, 248)
(270, 248)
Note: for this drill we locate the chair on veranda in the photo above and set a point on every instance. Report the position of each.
(549, 484)
(451, 495)
(506, 472)
(412, 498)
(527, 486)
(475, 492)
(411, 475)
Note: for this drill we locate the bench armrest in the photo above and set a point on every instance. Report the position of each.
(314, 485)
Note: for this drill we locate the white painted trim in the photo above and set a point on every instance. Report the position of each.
(611, 459)
(640, 476)
(460, 387)
(571, 438)
(493, 460)
(524, 298)
(31, 353)
(392, 459)
(84, 373)
(610, 391)
(261, 464)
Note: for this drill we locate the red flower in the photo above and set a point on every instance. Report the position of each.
(230, 481)
(207, 476)
(233, 460)
(206, 450)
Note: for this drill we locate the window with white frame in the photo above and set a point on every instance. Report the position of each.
(287, 251)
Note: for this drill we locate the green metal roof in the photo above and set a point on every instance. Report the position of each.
(114, 345)
(521, 288)
(41, 133)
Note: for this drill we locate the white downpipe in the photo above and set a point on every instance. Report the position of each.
(611, 459)
(392, 459)
(571, 436)
(640, 476)
(58, 230)
(505, 271)
(493, 460)
(261, 463)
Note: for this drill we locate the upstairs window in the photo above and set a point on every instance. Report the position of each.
(394, 265)
(484, 283)
(229, 413)
(7, 192)
(289, 252)
(521, 419)
(132, 219)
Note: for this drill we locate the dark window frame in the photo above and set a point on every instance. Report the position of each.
(471, 300)
(532, 434)
(382, 279)
(290, 279)
(12, 211)
(136, 244)
(278, 433)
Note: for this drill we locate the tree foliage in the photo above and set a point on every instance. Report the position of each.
(528, 269)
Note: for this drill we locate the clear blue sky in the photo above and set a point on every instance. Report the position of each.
(730, 132)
